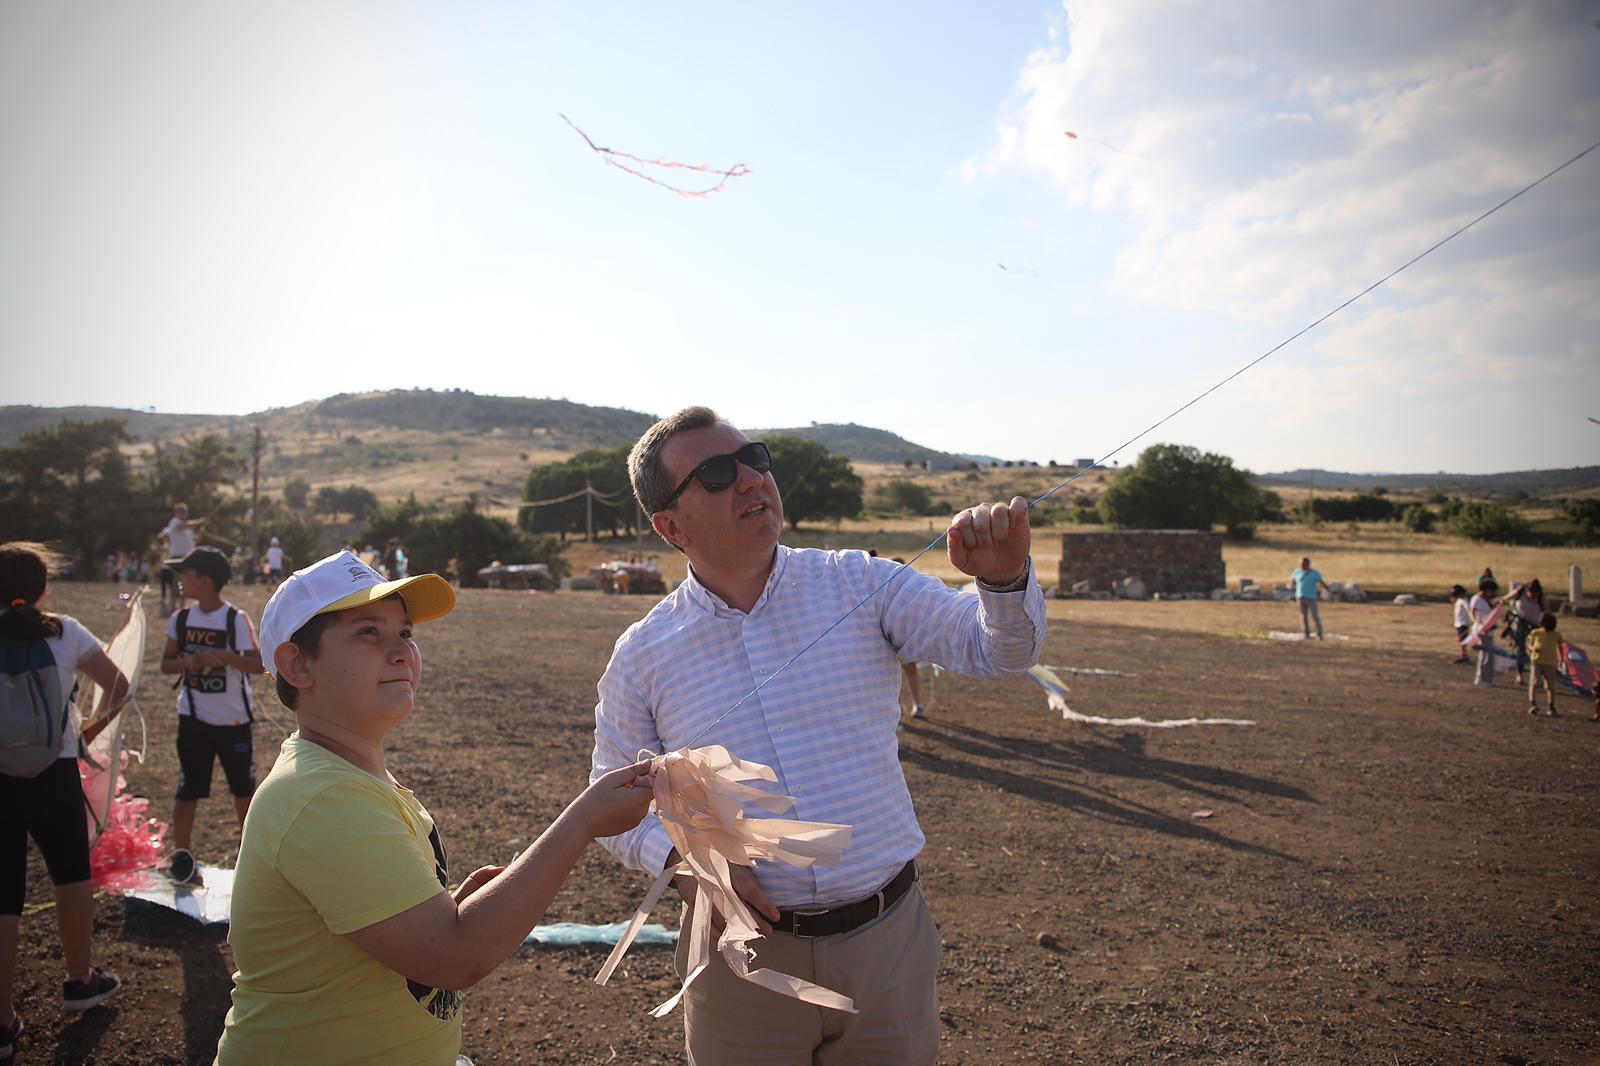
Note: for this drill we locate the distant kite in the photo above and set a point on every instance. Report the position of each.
(1105, 144)
(611, 156)
(1027, 272)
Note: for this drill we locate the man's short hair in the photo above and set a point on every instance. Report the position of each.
(652, 483)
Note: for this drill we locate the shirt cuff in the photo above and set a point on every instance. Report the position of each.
(1017, 585)
(654, 848)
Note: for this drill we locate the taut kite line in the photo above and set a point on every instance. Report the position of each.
(612, 157)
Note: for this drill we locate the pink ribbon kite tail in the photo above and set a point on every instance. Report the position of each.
(700, 797)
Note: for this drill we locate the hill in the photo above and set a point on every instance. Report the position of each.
(1536, 482)
(863, 444)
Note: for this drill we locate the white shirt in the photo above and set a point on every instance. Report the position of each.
(72, 647)
(826, 725)
(1482, 608)
(218, 695)
(274, 558)
(180, 538)
(1463, 612)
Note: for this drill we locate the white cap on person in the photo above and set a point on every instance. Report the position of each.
(337, 583)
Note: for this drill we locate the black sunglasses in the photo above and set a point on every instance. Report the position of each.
(721, 471)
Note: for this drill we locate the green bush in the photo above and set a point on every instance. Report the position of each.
(1418, 519)
(1368, 507)
(1491, 522)
(906, 496)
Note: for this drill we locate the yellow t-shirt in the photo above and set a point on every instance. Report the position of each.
(1544, 646)
(329, 849)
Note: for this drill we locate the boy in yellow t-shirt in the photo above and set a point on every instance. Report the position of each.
(1544, 658)
(349, 947)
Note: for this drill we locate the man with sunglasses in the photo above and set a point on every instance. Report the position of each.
(826, 725)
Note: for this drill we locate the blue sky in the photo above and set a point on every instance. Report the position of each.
(303, 199)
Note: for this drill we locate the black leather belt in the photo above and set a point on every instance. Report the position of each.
(830, 921)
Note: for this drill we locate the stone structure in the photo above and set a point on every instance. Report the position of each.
(1166, 561)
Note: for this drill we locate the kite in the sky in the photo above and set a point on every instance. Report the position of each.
(1104, 144)
(1027, 272)
(612, 158)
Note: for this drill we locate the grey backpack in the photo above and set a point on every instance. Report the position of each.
(33, 709)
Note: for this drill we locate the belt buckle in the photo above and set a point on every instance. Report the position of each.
(798, 914)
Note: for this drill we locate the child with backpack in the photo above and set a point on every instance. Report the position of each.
(40, 793)
(213, 646)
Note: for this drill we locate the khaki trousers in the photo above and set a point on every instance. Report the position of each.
(890, 967)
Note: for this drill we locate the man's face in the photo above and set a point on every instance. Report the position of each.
(367, 667)
(741, 523)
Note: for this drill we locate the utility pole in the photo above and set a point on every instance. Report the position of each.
(588, 511)
(255, 501)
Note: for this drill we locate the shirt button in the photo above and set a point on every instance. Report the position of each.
(799, 789)
(780, 729)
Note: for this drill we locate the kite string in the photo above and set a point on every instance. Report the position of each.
(1099, 463)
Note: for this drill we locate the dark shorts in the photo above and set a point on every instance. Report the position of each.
(1462, 631)
(201, 746)
(50, 809)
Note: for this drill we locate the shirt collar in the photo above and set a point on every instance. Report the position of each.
(710, 602)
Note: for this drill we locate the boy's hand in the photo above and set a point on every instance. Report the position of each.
(616, 802)
(476, 880)
(205, 660)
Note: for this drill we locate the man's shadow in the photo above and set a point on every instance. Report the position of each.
(1123, 759)
(207, 979)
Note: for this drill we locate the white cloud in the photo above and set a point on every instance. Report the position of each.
(1268, 144)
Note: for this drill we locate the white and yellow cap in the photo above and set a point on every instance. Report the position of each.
(338, 583)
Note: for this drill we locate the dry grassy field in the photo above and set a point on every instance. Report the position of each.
(1400, 868)
(1377, 555)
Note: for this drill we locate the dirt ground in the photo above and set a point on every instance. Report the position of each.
(1401, 868)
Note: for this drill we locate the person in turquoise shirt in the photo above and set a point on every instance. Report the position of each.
(1305, 581)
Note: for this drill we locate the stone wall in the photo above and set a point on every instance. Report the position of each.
(1164, 560)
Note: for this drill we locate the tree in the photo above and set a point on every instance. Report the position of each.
(603, 470)
(398, 519)
(1418, 518)
(353, 500)
(1491, 522)
(473, 540)
(1174, 486)
(813, 483)
(71, 484)
(295, 492)
(906, 496)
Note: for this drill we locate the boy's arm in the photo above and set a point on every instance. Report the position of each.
(173, 661)
(113, 690)
(247, 661)
(448, 945)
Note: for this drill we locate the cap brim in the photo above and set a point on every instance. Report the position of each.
(427, 596)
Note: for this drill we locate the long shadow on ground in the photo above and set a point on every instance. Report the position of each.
(1123, 760)
(207, 981)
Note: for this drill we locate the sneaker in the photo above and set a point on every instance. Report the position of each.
(92, 991)
(183, 866)
(917, 711)
(1551, 711)
(8, 1037)
(1533, 708)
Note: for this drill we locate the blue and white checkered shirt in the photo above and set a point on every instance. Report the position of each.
(827, 724)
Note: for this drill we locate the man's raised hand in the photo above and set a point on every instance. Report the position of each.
(991, 541)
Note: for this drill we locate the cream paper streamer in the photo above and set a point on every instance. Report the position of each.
(700, 798)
